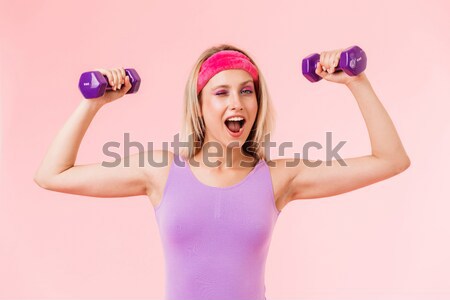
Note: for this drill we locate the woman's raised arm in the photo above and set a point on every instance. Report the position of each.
(58, 171)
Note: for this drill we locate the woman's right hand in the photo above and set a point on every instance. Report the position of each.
(118, 80)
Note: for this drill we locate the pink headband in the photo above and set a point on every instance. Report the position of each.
(224, 60)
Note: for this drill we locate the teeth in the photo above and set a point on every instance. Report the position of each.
(235, 119)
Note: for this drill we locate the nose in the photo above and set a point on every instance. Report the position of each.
(235, 102)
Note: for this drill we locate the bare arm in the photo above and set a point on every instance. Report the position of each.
(387, 158)
(384, 139)
(58, 171)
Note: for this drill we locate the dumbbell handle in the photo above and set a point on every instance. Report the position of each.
(127, 73)
(336, 69)
(110, 87)
(346, 61)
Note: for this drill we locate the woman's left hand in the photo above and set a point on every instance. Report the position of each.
(326, 68)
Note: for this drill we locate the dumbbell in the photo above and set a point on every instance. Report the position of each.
(93, 84)
(353, 61)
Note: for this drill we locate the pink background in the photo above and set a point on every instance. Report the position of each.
(389, 240)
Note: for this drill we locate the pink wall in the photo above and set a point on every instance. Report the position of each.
(389, 240)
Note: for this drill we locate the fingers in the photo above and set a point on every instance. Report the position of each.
(116, 77)
(329, 60)
(122, 72)
(108, 74)
(334, 60)
(323, 60)
(320, 70)
(120, 77)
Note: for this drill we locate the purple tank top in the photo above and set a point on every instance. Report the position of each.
(215, 239)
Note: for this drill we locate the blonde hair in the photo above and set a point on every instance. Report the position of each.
(193, 126)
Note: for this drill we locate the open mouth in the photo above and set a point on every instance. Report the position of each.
(235, 126)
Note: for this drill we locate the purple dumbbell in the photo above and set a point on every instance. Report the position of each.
(93, 84)
(353, 61)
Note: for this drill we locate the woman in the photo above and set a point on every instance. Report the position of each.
(218, 199)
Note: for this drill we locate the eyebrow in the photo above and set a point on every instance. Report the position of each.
(225, 85)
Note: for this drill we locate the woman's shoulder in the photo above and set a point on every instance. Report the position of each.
(157, 165)
(159, 158)
(283, 169)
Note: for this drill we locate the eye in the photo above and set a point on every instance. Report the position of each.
(244, 91)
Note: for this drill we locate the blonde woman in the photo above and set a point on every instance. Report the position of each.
(217, 200)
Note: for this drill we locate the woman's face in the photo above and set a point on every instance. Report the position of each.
(228, 93)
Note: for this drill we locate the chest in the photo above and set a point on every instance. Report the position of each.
(278, 180)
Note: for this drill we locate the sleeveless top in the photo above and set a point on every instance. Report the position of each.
(216, 239)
